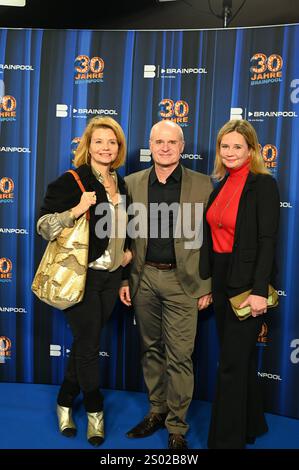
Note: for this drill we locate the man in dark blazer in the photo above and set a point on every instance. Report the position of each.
(164, 285)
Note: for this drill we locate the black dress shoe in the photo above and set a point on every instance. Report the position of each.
(177, 441)
(150, 424)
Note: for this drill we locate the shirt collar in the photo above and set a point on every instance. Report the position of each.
(98, 175)
(176, 175)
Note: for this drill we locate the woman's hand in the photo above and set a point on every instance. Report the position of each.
(124, 294)
(127, 258)
(88, 199)
(257, 304)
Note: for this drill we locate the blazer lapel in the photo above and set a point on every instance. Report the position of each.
(185, 186)
(142, 190)
(141, 195)
(187, 197)
(251, 178)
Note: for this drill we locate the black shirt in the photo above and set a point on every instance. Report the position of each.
(161, 224)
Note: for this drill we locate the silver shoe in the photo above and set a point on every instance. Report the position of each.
(95, 428)
(66, 424)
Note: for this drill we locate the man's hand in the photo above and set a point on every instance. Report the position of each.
(204, 301)
(124, 294)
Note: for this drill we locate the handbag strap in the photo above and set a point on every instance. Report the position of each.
(80, 184)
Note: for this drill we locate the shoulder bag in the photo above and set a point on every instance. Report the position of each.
(60, 278)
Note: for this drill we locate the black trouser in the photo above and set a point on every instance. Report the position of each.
(86, 321)
(237, 410)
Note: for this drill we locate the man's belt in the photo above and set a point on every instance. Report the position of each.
(162, 266)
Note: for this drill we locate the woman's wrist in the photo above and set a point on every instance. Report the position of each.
(75, 212)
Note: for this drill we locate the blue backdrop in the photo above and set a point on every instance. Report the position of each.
(51, 83)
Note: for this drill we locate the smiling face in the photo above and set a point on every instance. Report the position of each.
(234, 150)
(166, 144)
(103, 147)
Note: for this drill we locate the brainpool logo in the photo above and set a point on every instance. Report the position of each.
(145, 155)
(267, 375)
(260, 116)
(191, 156)
(16, 231)
(236, 113)
(149, 71)
(6, 189)
(15, 149)
(282, 293)
(13, 310)
(56, 350)
(152, 71)
(86, 112)
(22, 67)
(64, 110)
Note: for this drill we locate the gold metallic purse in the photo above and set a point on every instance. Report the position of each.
(60, 278)
(245, 312)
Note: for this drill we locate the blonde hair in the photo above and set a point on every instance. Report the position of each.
(256, 161)
(82, 155)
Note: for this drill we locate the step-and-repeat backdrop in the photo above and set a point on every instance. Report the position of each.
(51, 83)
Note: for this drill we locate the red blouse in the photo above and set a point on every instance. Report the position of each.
(222, 214)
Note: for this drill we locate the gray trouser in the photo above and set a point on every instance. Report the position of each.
(167, 320)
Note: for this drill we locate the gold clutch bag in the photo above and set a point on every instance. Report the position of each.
(60, 278)
(245, 312)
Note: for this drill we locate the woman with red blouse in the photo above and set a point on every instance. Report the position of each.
(241, 228)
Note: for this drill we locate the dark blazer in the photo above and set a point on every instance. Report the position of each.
(252, 264)
(64, 193)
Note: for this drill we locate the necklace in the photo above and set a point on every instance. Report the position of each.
(219, 223)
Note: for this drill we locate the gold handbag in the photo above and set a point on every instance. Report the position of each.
(60, 278)
(245, 312)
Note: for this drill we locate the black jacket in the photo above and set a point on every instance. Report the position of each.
(64, 193)
(252, 264)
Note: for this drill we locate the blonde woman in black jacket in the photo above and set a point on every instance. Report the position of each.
(241, 226)
(101, 151)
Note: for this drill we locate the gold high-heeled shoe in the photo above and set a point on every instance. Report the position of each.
(66, 424)
(95, 428)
